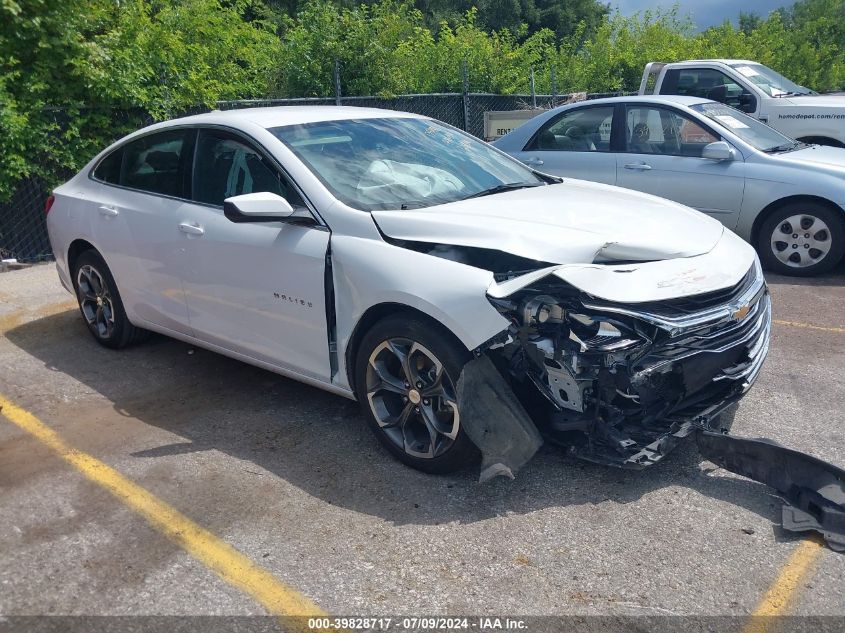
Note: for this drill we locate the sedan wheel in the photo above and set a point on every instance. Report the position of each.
(412, 398)
(100, 303)
(95, 301)
(405, 376)
(802, 239)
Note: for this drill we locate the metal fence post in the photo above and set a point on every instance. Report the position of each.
(533, 92)
(554, 84)
(337, 95)
(465, 92)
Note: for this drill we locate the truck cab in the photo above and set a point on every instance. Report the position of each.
(757, 90)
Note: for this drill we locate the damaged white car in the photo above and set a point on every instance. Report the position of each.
(467, 302)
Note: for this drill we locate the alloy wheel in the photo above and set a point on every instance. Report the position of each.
(801, 240)
(412, 398)
(95, 301)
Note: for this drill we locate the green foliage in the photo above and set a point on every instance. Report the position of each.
(66, 65)
(69, 67)
(526, 16)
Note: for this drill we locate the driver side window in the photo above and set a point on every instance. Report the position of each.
(707, 83)
(226, 166)
(580, 130)
(653, 130)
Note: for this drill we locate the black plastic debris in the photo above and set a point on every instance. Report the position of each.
(814, 490)
(495, 420)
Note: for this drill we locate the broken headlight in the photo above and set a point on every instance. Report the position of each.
(590, 333)
(539, 310)
(596, 334)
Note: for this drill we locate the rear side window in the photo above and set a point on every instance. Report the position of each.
(226, 165)
(108, 170)
(159, 163)
(579, 130)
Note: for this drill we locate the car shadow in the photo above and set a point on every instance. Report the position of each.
(319, 442)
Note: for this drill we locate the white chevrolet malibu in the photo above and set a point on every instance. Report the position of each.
(470, 304)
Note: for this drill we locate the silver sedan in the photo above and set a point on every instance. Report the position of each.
(785, 197)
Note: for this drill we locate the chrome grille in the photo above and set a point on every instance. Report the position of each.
(746, 293)
(752, 332)
(738, 325)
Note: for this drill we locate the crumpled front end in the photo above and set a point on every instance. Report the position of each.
(621, 382)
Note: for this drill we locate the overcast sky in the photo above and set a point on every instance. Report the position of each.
(704, 12)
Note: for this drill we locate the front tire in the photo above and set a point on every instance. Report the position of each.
(802, 239)
(406, 373)
(100, 303)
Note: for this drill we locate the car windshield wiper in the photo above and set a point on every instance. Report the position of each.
(509, 186)
(785, 147)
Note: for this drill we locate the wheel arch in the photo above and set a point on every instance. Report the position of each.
(781, 202)
(76, 248)
(373, 315)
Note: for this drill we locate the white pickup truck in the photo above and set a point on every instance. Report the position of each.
(757, 90)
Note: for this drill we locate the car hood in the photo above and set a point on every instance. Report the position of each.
(570, 222)
(822, 156)
(818, 101)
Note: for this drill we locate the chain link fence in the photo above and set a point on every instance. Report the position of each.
(23, 230)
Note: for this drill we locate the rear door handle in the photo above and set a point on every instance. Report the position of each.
(533, 161)
(107, 211)
(191, 229)
(639, 166)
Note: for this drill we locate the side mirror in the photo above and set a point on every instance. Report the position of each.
(747, 103)
(718, 151)
(257, 207)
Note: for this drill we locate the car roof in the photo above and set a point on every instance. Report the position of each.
(729, 62)
(667, 99)
(275, 116)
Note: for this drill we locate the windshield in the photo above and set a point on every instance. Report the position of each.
(750, 130)
(401, 163)
(772, 83)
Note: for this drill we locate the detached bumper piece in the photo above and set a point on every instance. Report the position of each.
(495, 420)
(813, 489)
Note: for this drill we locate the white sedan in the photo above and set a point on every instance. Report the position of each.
(785, 197)
(469, 303)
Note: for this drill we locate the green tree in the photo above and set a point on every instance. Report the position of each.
(65, 64)
(749, 21)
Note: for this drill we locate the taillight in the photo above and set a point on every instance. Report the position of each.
(49, 204)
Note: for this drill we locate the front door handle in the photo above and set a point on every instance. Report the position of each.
(191, 229)
(638, 166)
(533, 161)
(107, 211)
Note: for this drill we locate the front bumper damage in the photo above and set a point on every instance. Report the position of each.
(622, 384)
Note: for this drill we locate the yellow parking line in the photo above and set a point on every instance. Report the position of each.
(783, 591)
(810, 326)
(227, 562)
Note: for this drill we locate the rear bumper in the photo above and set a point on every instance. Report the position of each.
(64, 278)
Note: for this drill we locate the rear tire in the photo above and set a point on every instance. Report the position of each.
(406, 373)
(100, 303)
(802, 239)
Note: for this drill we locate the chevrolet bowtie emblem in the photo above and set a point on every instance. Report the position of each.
(741, 313)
